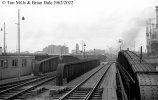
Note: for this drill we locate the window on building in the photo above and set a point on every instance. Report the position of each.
(4, 63)
(15, 62)
(24, 62)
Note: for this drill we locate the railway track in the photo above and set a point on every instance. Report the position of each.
(15, 83)
(88, 88)
(17, 91)
(12, 84)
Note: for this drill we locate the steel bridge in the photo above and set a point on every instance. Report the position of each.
(138, 79)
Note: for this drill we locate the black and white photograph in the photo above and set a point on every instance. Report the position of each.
(79, 50)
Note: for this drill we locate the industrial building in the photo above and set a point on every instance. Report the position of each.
(77, 50)
(152, 35)
(56, 50)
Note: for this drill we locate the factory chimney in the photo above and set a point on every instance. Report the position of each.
(157, 21)
(157, 17)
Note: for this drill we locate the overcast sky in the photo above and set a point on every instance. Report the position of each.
(99, 23)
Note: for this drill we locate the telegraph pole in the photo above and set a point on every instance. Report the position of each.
(4, 40)
(94, 53)
(4, 48)
(18, 24)
(141, 54)
(18, 32)
(3, 29)
(84, 49)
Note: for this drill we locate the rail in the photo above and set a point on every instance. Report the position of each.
(91, 91)
(12, 92)
(15, 83)
(30, 88)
